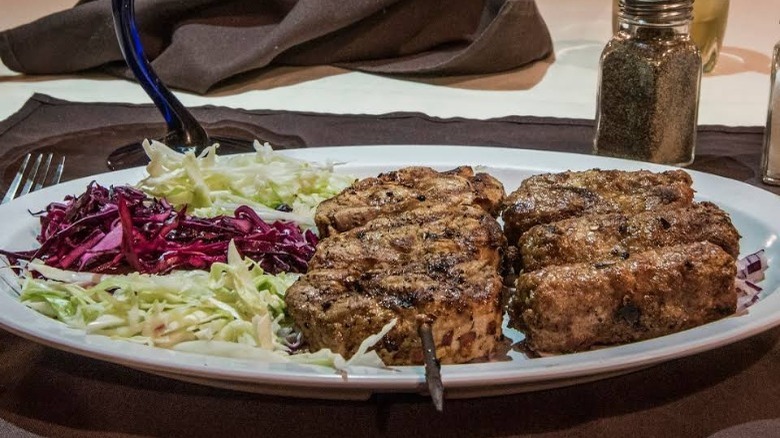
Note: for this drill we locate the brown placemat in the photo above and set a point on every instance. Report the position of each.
(54, 393)
(88, 132)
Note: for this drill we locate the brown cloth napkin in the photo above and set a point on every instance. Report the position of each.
(195, 44)
(734, 389)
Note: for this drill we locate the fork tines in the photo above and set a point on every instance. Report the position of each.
(37, 175)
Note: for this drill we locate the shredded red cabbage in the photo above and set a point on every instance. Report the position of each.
(119, 229)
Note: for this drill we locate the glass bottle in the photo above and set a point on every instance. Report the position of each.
(708, 28)
(770, 160)
(648, 94)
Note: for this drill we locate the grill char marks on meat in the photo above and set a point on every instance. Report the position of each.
(548, 198)
(610, 257)
(617, 236)
(406, 189)
(574, 307)
(427, 239)
(437, 259)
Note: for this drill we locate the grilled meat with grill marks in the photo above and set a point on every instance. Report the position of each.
(430, 238)
(548, 198)
(406, 189)
(616, 236)
(412, 245)
(440, 263)
(573, 307)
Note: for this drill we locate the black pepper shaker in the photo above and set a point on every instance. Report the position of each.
(650, 74)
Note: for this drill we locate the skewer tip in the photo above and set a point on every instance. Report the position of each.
(432, 366)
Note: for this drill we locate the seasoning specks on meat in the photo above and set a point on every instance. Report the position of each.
(616, 236)
(407, 189)
(548, 198)
(409, 244)
(574, 307)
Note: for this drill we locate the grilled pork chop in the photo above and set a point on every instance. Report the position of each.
(552, 197)
(573, 307)
(406, 189)
(616, 236)
(436, 260)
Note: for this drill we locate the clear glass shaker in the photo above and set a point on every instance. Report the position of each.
(648, 94)
(770, 162)
(707, 28)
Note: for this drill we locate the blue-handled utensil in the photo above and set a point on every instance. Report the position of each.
(184, 132)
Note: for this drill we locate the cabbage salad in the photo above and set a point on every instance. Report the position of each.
(232, 308)
(277, 187)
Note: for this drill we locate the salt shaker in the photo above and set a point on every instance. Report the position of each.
(650, 73)
(770, 160)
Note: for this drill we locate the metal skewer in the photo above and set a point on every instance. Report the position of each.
(432, 366)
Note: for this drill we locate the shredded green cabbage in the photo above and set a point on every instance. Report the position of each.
(212, 185)
(233, 310)
(234, 301)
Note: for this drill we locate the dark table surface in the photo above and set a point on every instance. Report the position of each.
(731, 391)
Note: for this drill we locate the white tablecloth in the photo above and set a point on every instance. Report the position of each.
(736, 93)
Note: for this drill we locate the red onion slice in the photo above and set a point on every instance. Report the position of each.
(752, 266)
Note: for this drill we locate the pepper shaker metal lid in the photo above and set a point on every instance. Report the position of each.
(649, 82)
(770, 160)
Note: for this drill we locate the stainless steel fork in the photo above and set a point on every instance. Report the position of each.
(36, 175)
